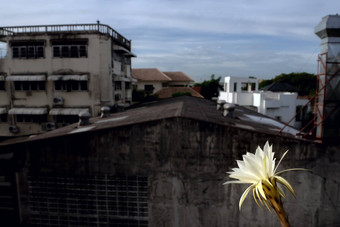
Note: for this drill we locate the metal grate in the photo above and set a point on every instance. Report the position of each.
(91, 201)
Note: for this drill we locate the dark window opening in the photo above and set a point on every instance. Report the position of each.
(3, 117)
(23, 118)
(23, 53)
(31, 52)
(70, 85)
(69, 48)
(118, 85)
(28, 50)
(148, 88)
(2, 86)
(15, 52)
(74, 52)
(29, 85)
(83, 85)
(82, 51)
(40, 52)
(127, 85)
(65, 51)
(56, 51)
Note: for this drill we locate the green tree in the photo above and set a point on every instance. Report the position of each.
(304, 82)
(210, 88)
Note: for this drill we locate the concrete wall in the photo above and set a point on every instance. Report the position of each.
(186, 163)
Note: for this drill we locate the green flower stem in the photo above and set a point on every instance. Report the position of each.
(280, 212)
(273, 195)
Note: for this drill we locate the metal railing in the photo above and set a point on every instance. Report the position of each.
(101, 28)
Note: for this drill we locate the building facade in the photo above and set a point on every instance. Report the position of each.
(279, 105)
(52, 73)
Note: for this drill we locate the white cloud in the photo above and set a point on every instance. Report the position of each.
(234, 37)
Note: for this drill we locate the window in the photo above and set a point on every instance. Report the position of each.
(69, 48)
(3, 117)
(148, 88)
(2, 86)
(70, 85)
(118, 85)
(31, 118)
(127, 85)
(117, 97)
(235, 87)
(29, 85)
(28, 49)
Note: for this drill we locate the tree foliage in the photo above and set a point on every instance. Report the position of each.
(304, 82)
(210, 88)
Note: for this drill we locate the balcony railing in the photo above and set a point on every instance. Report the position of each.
(101, 28)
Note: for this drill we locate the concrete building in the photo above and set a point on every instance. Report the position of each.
(152, 80)
(52, 73)
(279, 105)
(163, 169)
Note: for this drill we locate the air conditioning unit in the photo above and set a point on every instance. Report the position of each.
(49, 126)
(58, 101)
(13, 129)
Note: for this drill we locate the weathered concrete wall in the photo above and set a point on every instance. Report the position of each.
(185, 161)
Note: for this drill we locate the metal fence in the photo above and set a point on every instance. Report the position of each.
(101, 28)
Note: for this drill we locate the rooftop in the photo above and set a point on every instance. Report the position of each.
(279, 87)
(65, 28)
(179, 107)
(149, 74)
(178, 76)
(168, 92)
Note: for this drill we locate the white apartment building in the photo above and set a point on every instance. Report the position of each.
(279, 105)
(49, 74)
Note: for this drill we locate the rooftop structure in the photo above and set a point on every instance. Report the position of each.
(152, 80)
(327, 108)
(279, 105)
(164, 168)
(52, 73)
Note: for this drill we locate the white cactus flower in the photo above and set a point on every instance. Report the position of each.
(260, 171)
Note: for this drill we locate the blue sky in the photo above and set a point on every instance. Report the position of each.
(243, 38)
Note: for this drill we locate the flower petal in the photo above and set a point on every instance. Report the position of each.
(280, 161)
(254, 195)
(285, 183)
(259, 186)
(244, 195)
(293, 169)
